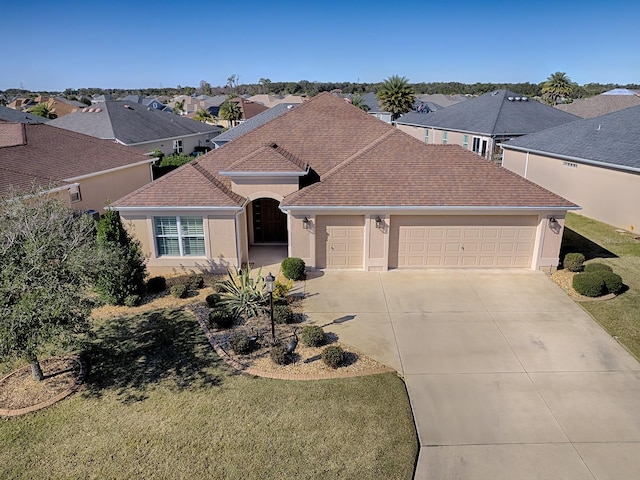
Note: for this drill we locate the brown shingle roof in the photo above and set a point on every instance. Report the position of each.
(401, 171)
(49, 155)
(599, 105)
(360, 160)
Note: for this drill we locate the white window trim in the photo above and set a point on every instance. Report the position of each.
(445, 138)
(426, 135)
(178, 146)
(465, 141)
(179, 235)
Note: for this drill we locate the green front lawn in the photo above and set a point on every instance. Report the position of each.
(621, 315)
(160, 404)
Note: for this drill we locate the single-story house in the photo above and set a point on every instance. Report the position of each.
(86, 172)
(343, 190)
(593, 162)
(139, 126)
(479, 124)
(607, 102)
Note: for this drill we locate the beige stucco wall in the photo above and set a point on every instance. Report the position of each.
(188, 144)
(253, 188)
(415, 132)
(97, 190)
(220, 241)
(550, 240)
(453, 138)
(301, 240)
(607, 195)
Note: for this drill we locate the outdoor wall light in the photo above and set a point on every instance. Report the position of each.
(553, 222)
(305, 223)
(378, 222)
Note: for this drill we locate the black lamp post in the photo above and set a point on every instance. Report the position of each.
(270, 282)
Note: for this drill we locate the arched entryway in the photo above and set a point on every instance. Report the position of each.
(268, 221)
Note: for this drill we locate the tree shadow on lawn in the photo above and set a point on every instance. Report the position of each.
(133, 354)
(572, 241)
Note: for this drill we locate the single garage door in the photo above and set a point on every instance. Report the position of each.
(470, 241)
(340, 241)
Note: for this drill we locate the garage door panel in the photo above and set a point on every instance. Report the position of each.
(340, 241)
(421, 242)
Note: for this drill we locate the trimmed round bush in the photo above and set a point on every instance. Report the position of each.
(612, 281)
(279, 354)
(221, 318)
(282, 314)
(156, 285)
(132, 300)
(180, 291)
(589, 284)
(573, 262)
(293, 268)
(212, 299)
(333, 356)
(597, 267)
(240, 344)
(312, 336)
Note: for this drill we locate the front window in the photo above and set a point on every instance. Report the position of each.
(179, 236)
(444, 137)
(177, 146)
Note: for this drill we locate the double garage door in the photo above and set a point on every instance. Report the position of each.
(431, 241)
(474, 242)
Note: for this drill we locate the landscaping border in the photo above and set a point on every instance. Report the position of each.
(233, 363)
(5, 412)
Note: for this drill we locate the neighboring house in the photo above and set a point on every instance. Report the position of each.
(441, 100)
(107, 97)
(607, 102)
(370, 99)
(593, 162)
(85, 171)
(135, 125)
(201, 102)
(251, 124)
(21, 103)
(481, 123)
(343, 190)
(60, 106)
(10, 115)
(149, 102)
(248, 108)
(271, 101)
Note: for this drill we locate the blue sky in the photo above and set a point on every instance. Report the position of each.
(138, 44)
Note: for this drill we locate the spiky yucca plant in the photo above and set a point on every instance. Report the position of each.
(241, 294)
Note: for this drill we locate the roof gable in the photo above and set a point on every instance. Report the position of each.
(269, 158)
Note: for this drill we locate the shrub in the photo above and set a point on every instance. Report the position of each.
(212, 299)
(573, 261)
(595, 267)
(132, 300)
(612, 281)
(282, 289)
(589, 284)
(197, 282)
(221, 318)
(240, 344)
(312, 336)
(333, 356)
(156, 285)
(180, 291)
(282, 314)
(242, 294)
(279, 354)
(293, 268)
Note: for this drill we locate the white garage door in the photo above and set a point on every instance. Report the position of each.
(475, 242)
(340, 241)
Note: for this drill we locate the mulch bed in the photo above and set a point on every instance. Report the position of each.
(564, 278)
(20, 393)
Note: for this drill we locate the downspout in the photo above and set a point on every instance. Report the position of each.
(526, 165)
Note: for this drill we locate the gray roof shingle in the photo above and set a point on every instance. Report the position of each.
(130, 123)
(10, 115)
(612, 139)
(498, 113)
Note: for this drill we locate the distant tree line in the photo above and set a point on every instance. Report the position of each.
(305, 87)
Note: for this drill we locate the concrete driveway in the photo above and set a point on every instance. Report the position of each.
(508, 378)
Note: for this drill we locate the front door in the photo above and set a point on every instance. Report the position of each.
(269, 222)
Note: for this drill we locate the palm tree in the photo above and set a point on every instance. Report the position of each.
(396, 96)
(230, 111)
(178, 108)
(557, 86)
(357, 100)
(205, 116)
(43, 110)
